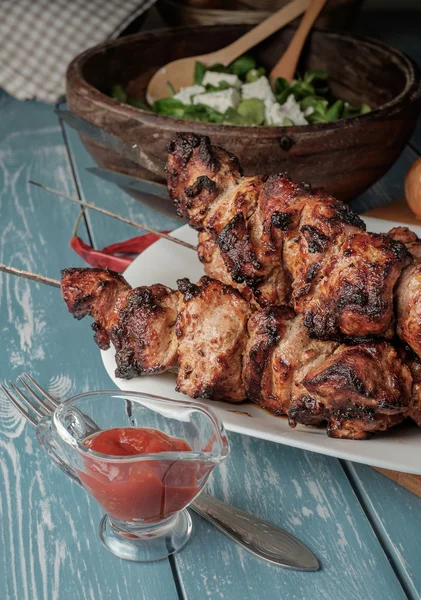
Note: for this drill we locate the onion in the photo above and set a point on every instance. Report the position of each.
(413, 187)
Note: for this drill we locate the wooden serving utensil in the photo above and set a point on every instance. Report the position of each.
(180, 72)
(287, 64)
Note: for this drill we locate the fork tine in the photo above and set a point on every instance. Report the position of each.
(18, 406)
(43, 402)
(27, 401)
(46, 395)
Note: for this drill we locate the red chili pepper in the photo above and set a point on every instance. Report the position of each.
(96, 258)
(134, 245)
(108, 256)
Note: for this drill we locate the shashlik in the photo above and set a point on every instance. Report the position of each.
(223, 349)
(294, 275)
(280, 242)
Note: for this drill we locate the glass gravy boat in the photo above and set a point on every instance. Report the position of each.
(145, 496)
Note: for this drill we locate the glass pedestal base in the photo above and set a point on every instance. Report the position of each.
(146, 543)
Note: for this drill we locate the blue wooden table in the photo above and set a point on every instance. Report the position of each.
(365, 529)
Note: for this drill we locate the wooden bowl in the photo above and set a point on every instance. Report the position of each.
(345, 157)
(337, 14)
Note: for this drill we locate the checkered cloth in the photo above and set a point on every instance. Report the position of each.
(38, 39)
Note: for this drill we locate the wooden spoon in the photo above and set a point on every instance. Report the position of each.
(287, 64)
(180, 72)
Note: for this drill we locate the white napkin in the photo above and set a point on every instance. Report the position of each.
(38, 39)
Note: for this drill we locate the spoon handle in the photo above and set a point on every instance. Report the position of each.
(287, 64)
(273, 23)
(256, 535)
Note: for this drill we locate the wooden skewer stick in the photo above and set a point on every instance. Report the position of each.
(114, 216)
(29, 275)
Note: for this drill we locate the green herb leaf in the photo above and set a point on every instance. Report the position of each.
(364, 109)
(316, 118)
(319, 106)
(311, 76)
(281, 85)
(218, 68)
(301, 89)
(252, 109)
(170, 88)
(201, 112)
(283, 96)
(350, 111)
(169, 106)
(199, 72)
(223, 85)
(287, 122)
(335, 111)
(137, 103)
(118, 93)
(242, 66)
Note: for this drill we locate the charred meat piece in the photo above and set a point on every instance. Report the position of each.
(266, 328)
(212, 335)
(288, 244)
(342, 277)
(414, 406)
(278, 353)
(356, 391)
(144, 337)
(210, 255)
(408, 291)
(98, 293)
(140, 323)
(197, 174)
(206, 185)
(224, 351)
(408, 307)
(354, 299)
(409, 238)
(353, 390)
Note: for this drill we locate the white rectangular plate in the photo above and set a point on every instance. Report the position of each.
(164, 262)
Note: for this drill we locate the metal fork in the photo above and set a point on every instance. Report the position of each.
(255, 535)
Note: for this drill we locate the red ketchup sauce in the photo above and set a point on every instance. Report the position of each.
(150, 490)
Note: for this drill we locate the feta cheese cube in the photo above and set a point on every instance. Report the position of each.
(185, 94)
(276, 114)
(220, 101)
(259, 89)
(214, 78)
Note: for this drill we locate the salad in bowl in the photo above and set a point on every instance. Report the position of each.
(241, 94)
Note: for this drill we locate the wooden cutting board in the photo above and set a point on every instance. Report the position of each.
(406, 480)
(398, 210)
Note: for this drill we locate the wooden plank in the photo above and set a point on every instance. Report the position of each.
(407, 480)
(104, 229)
(395, 512)
(306, 494)
(397, 210)
(49, 543)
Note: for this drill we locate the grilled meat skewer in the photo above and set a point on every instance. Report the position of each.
(281, 242)
(223, 350)
(408, 292)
